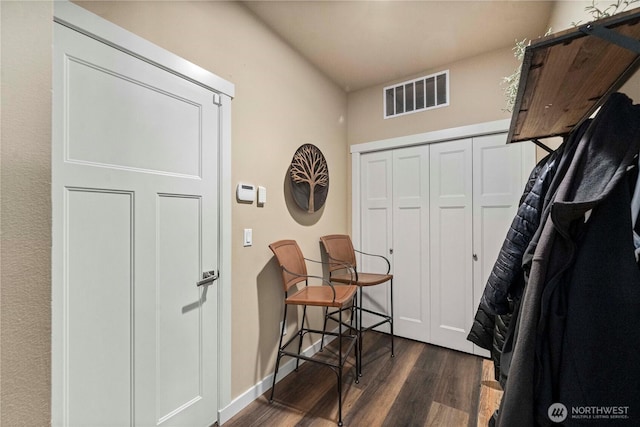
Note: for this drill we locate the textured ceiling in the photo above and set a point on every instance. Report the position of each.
(363, 43)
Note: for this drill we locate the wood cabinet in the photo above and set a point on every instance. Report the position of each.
(439, 212)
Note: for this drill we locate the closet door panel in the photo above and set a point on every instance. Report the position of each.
(376, 202)
(497, 188)
(411, 242)
(451, 243)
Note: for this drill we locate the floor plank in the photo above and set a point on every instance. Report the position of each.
(443, 415)
(490, 393)
(413, 403)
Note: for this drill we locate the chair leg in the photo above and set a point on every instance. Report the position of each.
(275, 372)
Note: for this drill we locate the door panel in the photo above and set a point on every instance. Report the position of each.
(135, 180)
(376, 170)
(497, 187)
(145, 115)
(178, 370)
(411, 242)
(100, 273)
(451, 243)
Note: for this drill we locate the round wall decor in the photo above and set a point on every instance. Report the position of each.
(309, 178)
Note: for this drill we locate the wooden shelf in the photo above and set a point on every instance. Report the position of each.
(566, 76)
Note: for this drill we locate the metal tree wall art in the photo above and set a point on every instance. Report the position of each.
(309, 177)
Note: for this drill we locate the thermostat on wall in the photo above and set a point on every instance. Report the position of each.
(246, 192)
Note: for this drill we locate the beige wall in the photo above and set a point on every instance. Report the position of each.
(476, 96)
(25, 175)
(565, 13)
(281, 103)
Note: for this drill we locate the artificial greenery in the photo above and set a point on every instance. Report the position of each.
(615, 7)
(511, 82)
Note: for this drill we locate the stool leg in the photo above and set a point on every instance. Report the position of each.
(275, 372)
(354, 330)
(359, 329)
(340, 365)
(324, 327)
(301, 335)
(391, 318)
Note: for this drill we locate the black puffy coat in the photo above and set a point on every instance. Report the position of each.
(506, 278)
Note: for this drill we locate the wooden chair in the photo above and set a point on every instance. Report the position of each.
(343, 269)
(340, 297)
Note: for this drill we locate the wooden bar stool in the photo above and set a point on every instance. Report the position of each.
(340, 297)
(343, 269)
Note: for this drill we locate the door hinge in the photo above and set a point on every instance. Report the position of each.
(217, 99)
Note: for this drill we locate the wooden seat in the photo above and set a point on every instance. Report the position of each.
(341, 297)
(343, 269)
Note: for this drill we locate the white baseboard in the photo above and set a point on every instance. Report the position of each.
(242, 401)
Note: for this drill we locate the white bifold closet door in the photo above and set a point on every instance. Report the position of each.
(395, 221)
(440, 213)
(411, 242)
(476, 185)
(500, 173)
(377, 232)
(451, 238)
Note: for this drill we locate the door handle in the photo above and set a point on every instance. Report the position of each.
(208, 277)
(475, 257)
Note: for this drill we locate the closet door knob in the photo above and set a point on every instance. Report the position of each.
(475, 257)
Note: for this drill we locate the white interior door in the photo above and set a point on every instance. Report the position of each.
(498, 183)
(135, 223)
(377, 202)
(451, 243)
(411, 242)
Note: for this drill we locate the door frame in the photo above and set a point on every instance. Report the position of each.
(91, 25)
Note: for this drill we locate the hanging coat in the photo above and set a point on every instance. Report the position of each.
(489, 329)
(556, 324)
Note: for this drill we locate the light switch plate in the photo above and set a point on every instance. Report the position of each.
(248, 237)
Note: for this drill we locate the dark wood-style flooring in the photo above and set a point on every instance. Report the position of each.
(423, 385)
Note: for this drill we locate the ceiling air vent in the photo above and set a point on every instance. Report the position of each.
(415, 95)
